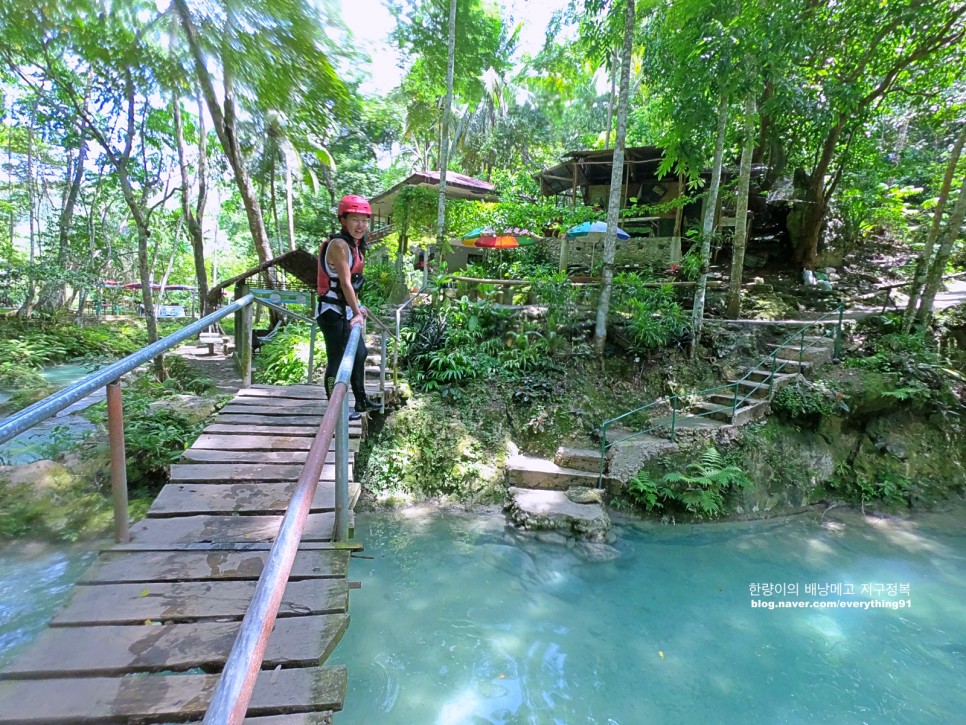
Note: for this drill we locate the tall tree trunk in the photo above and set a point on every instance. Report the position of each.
(616, 182)
(805, 222)
(444, 142)
(225, 126)
(741, 211)
(938, 266)
(27, 308)
(610, 101)
(922, 264)
(707, 227)
(194, 218)
(289, 203)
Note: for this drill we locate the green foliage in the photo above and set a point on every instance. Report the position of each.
(700, 489)
(909, 361)
(284, 359)
(805, 400)
(428, 449)
(653, 318)
(891, 489)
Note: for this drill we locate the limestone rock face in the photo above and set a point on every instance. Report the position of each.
(39, 475)
(583, 494)
(542, 510)
(193, 408)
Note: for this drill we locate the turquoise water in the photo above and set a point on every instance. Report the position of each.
(458, 621)
(37, 443)
(34, 581)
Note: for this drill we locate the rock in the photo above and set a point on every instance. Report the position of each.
(596, 552)
(552, 537)
(40, 475)
(583, 494)
(544, 510)
(191, 407)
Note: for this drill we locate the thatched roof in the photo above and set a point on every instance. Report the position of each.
(298, 263)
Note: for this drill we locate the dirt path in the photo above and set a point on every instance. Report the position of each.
(220, 369)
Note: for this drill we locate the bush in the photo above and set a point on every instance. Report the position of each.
(700, 490)
(284, 360)
(807, 401)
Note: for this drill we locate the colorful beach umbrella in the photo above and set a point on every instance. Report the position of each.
(479, 237)
(599, 228)
(507, 239)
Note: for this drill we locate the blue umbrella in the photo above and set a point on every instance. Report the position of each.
(582, 230)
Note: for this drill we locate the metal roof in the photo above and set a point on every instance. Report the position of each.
(458, 186)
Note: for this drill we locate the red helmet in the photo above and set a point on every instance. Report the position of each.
(353, 204)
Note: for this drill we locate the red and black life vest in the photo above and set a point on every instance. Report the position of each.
(328, 286)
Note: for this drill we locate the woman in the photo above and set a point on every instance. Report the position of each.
(340, 278)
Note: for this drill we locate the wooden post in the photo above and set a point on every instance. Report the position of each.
(115, 434)
(243, 337)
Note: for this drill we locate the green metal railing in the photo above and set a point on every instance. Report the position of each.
(771, 364)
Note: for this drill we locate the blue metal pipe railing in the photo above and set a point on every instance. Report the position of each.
(229, 702)
(53, 404)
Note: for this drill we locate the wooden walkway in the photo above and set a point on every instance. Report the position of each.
(150, 624)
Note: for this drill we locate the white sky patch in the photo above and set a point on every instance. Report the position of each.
(371, 23)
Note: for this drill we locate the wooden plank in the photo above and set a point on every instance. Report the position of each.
(191, 529)
(314, 420)
(113, 567)
(186, 499)
(300, 718)
(307, 431)
(231, 472)
(254, 406)
(186, 601)
(68, 651)
(350, 546)
(159, 697)
(201, 455)
(252, 442)
(299, 392)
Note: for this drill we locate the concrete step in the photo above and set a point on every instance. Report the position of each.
(581, 459)
(757, 389)
(531, 472)
(763, 374)
(810, 354)
(786, 366)
(743, 414)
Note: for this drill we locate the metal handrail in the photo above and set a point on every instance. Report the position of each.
(109, 377)
(773, 357)
(735, 387)
(395, 347)
(230, 699)
(30, 416)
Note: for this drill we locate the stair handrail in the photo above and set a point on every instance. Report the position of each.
(772, 358)
(734, 386)
(398, 338)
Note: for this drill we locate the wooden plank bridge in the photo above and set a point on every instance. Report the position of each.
(148, 627)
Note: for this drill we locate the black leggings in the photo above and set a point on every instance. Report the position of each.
(335, 330)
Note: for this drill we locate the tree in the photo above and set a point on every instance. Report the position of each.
(938, 264)
(270, 53)
(932, 236)
(741, 210)
(616, 181)
(444, 139)
(194, 216)
(845, 60)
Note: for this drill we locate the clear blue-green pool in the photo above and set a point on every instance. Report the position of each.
(459, 622)
(58, 432)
